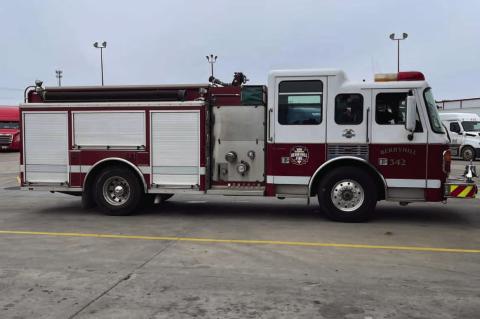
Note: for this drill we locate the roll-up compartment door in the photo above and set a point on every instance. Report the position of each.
(109, 129)
(175, 148)
(46, 147)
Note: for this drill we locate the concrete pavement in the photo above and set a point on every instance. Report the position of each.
(68, 276)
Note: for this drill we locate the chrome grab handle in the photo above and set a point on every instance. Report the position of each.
(269, 119)
(368, 118)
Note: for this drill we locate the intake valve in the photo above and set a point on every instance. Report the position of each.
(242, 168)
(231, 157)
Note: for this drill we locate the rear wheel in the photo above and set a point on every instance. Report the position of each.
(347, 194)
(118, 191)
(468, 153)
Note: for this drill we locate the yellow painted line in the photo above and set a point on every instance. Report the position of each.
(242, 241)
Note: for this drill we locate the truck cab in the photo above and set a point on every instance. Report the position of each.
(389, 129)
(9, 128)
(464, 131)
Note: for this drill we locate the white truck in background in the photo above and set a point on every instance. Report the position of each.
(464, 132)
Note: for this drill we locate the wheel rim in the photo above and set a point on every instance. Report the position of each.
(347, 195)
(467, 154)
(116, 190)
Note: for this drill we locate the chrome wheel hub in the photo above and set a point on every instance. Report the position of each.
(116, 190)
(347, 195)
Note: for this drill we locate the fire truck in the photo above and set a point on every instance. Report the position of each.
(9, 128)
(312, 133)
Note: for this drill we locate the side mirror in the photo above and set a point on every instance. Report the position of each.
(411, 116)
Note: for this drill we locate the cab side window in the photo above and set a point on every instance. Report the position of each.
(300, 102)
(455, 127)
(348, 109)
(391, 109)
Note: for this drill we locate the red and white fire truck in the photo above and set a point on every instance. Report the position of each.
(313, 133)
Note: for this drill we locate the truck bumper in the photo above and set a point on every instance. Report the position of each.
(460, 189)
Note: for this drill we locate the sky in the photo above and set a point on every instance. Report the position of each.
(159, 41)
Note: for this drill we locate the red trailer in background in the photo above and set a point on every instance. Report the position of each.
(9, 128)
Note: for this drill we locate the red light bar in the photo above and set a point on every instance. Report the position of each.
(400, 76)
(411, 76)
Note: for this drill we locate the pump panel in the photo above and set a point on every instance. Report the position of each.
(238, 143)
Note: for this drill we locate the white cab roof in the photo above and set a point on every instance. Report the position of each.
(342, 80)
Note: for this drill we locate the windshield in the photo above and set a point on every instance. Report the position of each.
(10, 125)
(471, 126)
(432, 111)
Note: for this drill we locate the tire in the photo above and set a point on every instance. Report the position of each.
(468, 153)
(347, 194)
(118, 191)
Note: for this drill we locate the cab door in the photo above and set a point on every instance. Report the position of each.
(299, 110)
(399, 156)
(348, 124)
(456, 132)
(456, 137)
(297, 129)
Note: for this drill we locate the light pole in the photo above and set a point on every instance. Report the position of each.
(211, 59)
(58, 74)
(101, 46)
(392, 37)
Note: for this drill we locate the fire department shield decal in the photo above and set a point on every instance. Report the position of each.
(299, 155)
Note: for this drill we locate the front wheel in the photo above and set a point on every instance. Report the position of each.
(118, 191)
(347, 194)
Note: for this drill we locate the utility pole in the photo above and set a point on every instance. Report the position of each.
(392, 37)
(58, 74)
(101, 46)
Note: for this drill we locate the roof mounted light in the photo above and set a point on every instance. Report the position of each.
(400, 76)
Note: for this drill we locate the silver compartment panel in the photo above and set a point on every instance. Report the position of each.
(239, 129)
